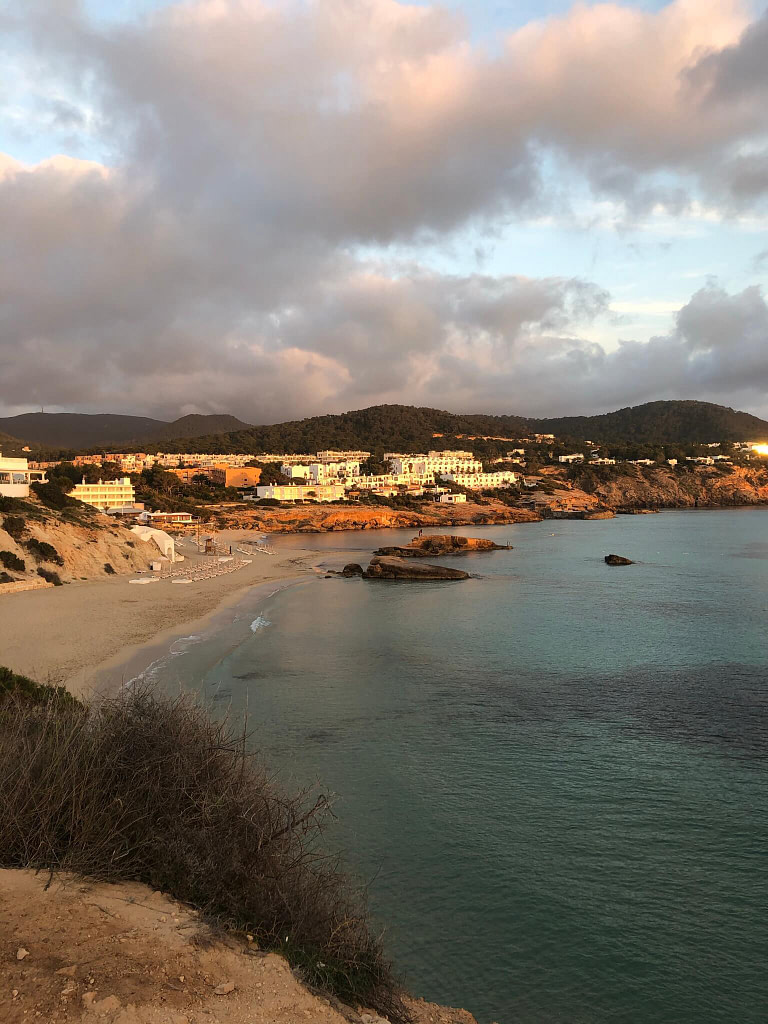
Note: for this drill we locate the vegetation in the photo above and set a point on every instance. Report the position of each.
(14, 526)
(50, 576)
(10, 561)
(43, 551)
(52, 495)
(21, 688)
(150, 789)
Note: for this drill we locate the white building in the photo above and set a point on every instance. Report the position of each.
(331, 472)
(331, 455)
(435, 463)
(16, 476)
(576, 457)
(641, 462)
(452, 499)
(106, 494)
(602, 462)
(302, 492)
(484, 481)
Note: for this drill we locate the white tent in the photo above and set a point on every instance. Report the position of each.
(162, 540)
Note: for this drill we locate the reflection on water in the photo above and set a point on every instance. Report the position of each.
(556, 772)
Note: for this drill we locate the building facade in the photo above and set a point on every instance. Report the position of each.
(16, 476)
(105, 494)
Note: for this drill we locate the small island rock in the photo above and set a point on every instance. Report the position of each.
(618, 560)
(441, 544)
(386, 568)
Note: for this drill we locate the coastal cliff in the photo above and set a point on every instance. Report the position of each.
(665, 487)
(82, 950)
(329, 518)
(39, 546)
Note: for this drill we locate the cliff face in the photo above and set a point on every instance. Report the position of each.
(663, 487)
(85, 546)
(123, 954)
(322, 518)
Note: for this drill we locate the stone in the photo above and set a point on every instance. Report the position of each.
(385, 568)
(224, 988)
(21, 953)
(88, 998)
(441, 544)
(67, 972)
(109, 1005)
(618, 560)
(352, 569)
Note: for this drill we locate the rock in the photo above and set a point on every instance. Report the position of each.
(67, 972)
(441, 544)
(21, 953)
(352, 569)
(224, 988)
(618, 560)
(109, 1005)
(88, 998)
(384, 568)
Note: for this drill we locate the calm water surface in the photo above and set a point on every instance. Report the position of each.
(555, 773)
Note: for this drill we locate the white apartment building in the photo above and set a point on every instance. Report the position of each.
(440, 463)
(296, 470)
(484, 481)
(16, 476)
(106, 494)
(302, 492)
(452, 499)
(602, 462)
(576, 457)
(322, 472)
(331, 455)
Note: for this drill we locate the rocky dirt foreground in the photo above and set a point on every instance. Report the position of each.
(123, 954)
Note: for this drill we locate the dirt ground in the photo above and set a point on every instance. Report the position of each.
(123, 954)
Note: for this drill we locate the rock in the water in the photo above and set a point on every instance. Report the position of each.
(352, 569)
(387, 568)
(441, 544)
(617, 560)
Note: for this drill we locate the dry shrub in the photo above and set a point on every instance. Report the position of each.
(148, 789)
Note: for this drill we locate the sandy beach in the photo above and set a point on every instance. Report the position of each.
(81, 634)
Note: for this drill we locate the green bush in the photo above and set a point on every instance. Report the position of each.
(10, 561)
(52, 496)
(50, 577)
(43, 551)
(14, 526)
(108, 569)
(151, 789)
(21, 687)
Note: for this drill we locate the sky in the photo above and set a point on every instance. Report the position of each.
(280, 209)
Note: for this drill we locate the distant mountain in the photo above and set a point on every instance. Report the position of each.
(381, 427)
(80, 430)
(409, 428)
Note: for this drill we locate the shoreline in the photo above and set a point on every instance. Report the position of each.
(83, 634)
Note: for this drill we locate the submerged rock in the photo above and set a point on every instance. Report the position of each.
(387, 568)
(618, 560)
(352, 569)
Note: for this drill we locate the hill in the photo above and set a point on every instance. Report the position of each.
(409, 428)
(380, 427)
(81, 430)
(678, 422)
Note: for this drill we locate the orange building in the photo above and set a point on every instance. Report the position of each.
(234, 476)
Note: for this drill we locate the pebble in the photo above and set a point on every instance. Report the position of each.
(21, 953)
(225, 988)
(108, 1005)
(67, 972)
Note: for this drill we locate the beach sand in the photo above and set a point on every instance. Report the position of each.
(81, 634)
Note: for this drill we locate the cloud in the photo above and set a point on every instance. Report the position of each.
(252, 151)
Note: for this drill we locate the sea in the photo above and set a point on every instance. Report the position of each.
(552, 776)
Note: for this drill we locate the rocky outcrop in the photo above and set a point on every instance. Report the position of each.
(660, 487)
(352, 569)
(441, 544)
(75, 546)
(618, 560)
(330, 518)
(386, 568)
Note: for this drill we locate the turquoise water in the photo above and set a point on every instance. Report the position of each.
(555, 773)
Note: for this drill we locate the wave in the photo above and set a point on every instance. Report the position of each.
(259, 623)
(182, 645)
